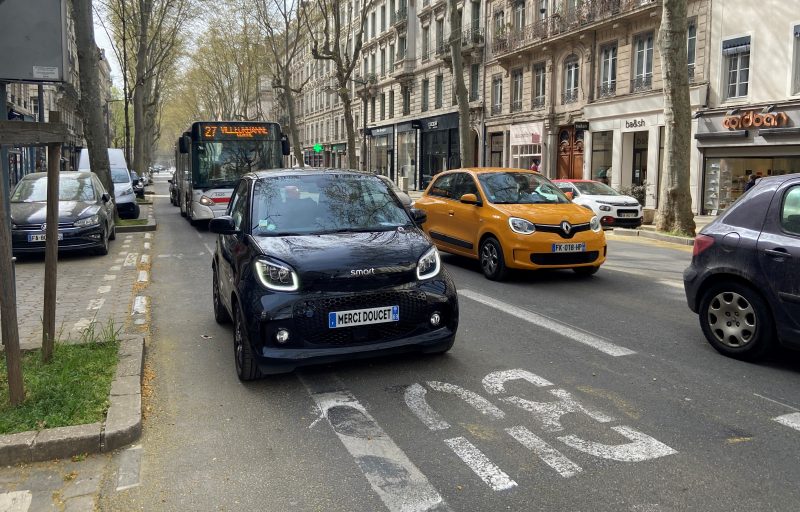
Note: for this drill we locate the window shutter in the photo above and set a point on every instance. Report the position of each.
(736, 45)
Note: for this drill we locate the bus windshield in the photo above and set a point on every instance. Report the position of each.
(220, 164)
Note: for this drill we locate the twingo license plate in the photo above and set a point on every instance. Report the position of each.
(368, 316)
(574, 247)
(42, 237)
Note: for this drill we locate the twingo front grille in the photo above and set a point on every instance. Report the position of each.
(564, 258)
(311, 318)
(556, 228)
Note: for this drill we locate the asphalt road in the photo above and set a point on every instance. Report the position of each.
(561, 393)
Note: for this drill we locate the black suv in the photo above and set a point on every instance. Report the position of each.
(318, 266)
(744, 280)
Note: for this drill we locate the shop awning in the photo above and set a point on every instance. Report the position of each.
(736, 45)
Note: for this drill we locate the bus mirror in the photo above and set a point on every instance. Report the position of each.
(285, 145)
(183, 145)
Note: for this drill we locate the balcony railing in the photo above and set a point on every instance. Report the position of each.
(569, 96)
(642, 83)
(607, 89)
(442, 48)
(497, 109)
(691, 73)
(399, 16)
(426, 55)
(590, 11)
(472, 37)
(538, 103)
(516, 106)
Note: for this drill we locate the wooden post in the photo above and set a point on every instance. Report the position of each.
(51, 252)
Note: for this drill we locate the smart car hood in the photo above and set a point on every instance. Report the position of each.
(35, 213)
(547, 213)
(350, 261)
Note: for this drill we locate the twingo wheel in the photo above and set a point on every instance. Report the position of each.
(491, 258)
(246, 368)
(736, 321)
(221, 315)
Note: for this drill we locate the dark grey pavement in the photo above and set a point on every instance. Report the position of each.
(561, 393)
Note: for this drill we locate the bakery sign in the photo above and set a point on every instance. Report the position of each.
(755, 119)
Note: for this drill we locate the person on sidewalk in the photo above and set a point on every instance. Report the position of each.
(750, 183)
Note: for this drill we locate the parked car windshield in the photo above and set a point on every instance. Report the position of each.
(520, 188)
(328, 203)
(70, 188)
(120, 176)
(595, 188)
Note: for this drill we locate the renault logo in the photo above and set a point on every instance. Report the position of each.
(566, 227)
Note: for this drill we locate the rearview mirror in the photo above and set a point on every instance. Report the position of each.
(569, 195)
(419, 216)
(470, 199)
(223, 225)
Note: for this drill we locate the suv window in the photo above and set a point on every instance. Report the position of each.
(790, 213)
(238, 206)
(444, 186)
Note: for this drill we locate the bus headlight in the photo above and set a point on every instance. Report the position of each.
(206, 201)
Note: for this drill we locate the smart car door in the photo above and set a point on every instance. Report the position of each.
(229, 244)
(465, 218)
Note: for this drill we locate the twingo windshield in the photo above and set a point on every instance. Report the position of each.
(520, 188)
(595, 188)
(324, 203)
(220, 164)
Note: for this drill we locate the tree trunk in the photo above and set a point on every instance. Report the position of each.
(462, 97)
(294, 133)
(91, 98)
(125, 91)
(347, 105)
(675, 200)
(139, 92)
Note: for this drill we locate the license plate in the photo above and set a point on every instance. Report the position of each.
(42, 237)
(576, 247)
(368, 316)
(627, 215)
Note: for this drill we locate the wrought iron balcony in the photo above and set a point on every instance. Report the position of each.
(472, 38)
(691, 73)
(442, 48)
(516, 106)
(538, 103)
(399, 16)
(497, 109)
(607, 89)
(642, 83)
(569, 96)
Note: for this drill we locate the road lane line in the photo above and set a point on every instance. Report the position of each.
(549, 455)
(208, 248)
(139, 305)
(777, 402)
(144, 276)
(491, 475)
(550, 324)
(394, 478)
(791, 420)
(103, 289)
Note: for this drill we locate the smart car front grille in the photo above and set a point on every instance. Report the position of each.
(564, 258)
(311, 318)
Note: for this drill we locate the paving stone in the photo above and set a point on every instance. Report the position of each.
(79, 504)
(42, 480)
(63, 442)
(16, 448)
(123, 421)
(126, 385)
(82, 486)
(43, 501)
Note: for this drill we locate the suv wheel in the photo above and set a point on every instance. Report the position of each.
(736, 321)
(491, 258)
(246, 368)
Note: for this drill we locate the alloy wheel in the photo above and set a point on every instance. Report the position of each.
(732, 319)
(489, 258)
(238, 344)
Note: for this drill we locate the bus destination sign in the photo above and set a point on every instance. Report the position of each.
(233, 132)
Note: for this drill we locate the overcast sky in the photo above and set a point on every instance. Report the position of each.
(102, 40)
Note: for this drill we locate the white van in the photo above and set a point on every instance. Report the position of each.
(124, 198)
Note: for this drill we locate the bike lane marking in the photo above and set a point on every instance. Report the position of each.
(480, 464)
(550, 324)
(791, 420)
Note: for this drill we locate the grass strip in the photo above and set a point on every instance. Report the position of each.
(71, 390)
(132, 222)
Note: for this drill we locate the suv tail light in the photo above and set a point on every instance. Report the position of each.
(701, 243)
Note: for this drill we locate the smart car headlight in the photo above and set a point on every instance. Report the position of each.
(87, 221)
(595, 224)
(429, 264)
(274, 276)
(521, 226)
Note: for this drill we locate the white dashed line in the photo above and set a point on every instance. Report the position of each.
(95, 304)
(130, 259)
(115, 268)
(555, 326)
(104, 289)
(148, 236)
(791, 420)
(145, 259)
(147, 246)
(109, 277)
(16, 501)
(139, 305)
(143, 276)
(544, 451)
(777, 402)
(480, 464)
(82, 324)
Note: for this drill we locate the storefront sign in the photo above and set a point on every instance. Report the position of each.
(635, 123)
(432, 125)
(753, 119)
(582, 125)
(526, 133)
(386, 130)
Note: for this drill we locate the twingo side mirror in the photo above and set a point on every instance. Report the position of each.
(470, 199)
(405, 199)
(222, 225)
(419, 216)
(105, 197)
(570, 195)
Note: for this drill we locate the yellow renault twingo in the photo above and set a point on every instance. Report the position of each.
(511, 218)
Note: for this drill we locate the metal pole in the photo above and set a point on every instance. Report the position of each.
(40, 151)
(4, 151)
(364, 134)
(51, 252)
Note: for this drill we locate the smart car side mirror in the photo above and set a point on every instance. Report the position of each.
(569, 195)
(223, 225)
(470, 199)
(419, 216)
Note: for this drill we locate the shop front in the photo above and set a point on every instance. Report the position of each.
(526, 145)
(406, 153)
(761, 140)
(339, 156)
(382, 151)
(313, 158)
(440, 146)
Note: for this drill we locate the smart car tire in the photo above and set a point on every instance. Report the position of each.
(736, 321)
(492, 260)
(246, 368)
(220, 313)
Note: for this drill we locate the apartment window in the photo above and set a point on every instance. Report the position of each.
(383, 18)
(572, 77)
(426, 39)
(474, 81)
(366, 67)
(796, 74)
(691, 46)
(383, 106)
(519, 15)
(643, 65)
(373, 58)
(35, 107)
(516, 90)
(439, 90)
(737, 56)
(405, 92)
(440, 35)
(608, 71)
(374, 24)
(391, 104)
(497, 94)
(391, 57)
(499, 23)
(401, 47)
(425, 92)
(372, 117)
(383, 62)
(539, 83)
(542, 10)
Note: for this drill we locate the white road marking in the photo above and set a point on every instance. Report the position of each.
(130, 462)
(115, 268)
(109, 277)
(209, 249)
(549, 413)
(544, 451)
(130, 259)
(394, 478)
(95, 304)
(119, 261)
(16, 501)
(550, 324)
(128, 237)
(139, 305)
(666, 282)
(642, 447)
(104, 289)
(492, 475)
(82, 324)
(123, 253)
(777, 402)
(144, 276)
(791, 420)
(415, 400)
(147, 246)
(145, 259)
(475, 400)
(148, 236)
(494, 383)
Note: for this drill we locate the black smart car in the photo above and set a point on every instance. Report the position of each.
(744, 280)
(324, 265)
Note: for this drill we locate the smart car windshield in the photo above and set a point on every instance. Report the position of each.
(70, 188)
(520, 188)
(595, 188)
(325, 203)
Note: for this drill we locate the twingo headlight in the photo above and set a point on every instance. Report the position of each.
(206, 201)
(595, 224)
(274, 276)
(87, 221)
(429, 264)
(521, 226)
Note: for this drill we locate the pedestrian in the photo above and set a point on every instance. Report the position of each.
(750, 183)
(535, 165)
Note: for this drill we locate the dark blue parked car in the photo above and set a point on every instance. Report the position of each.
(744, 280)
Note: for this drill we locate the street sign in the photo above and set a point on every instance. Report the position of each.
(26, 21)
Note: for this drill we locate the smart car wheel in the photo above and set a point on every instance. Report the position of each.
(736, 321)
(492, 262)
(246, 368)
(220, 313)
